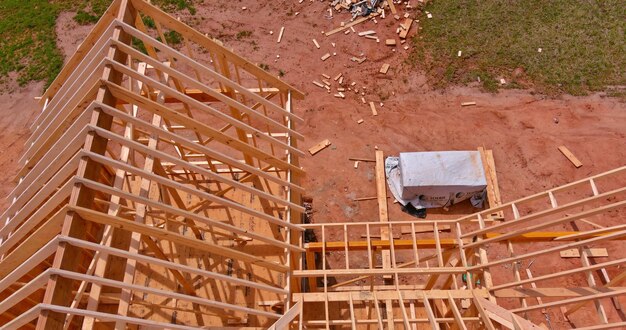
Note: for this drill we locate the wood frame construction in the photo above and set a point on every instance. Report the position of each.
(161, 189)
(414, 274)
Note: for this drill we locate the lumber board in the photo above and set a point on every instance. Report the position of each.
(373, 108)
(319, 146)
(382, 244)
(570, 156)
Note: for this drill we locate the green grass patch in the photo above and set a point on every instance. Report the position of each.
(28, 39)
(85, 18)
(583, 44)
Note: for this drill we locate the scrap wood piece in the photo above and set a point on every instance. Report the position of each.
(316, 44)
(351, 24)
(390, 42)
(319, 147)
(466, 104)
(392, 7)
(406, 27)
(318, 84)
(358, 60)
(366, 33)
(384, 68)
(567, 153)
(373, 107)
(325, 56)
(280, 35)
(593, 253)
(338, 76)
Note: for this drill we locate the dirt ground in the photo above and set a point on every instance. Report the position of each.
(523, 129)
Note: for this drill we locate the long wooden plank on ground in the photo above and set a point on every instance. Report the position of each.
(567, 153)
(383, 215)
(593, 253)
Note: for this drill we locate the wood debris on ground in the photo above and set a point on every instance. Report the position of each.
(348, 15)
(319, 146)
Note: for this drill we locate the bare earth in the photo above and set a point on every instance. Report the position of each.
(519, 127)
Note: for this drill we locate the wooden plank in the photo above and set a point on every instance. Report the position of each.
(319, 146)
(383, 214)
(406, 28)
(373, 108)
(389, 294)
(556, 292)
(280, 35)
(593, 253)
(384, 68)
(567, 153)
(392, 7)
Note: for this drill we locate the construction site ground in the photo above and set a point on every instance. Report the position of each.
(522, 128)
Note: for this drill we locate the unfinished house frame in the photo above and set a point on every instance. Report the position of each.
(161, 189)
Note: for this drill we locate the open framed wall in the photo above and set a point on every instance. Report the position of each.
(414, 274)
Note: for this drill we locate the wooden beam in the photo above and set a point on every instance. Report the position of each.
(570, 156)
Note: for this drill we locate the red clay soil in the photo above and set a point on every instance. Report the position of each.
(522, 129)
